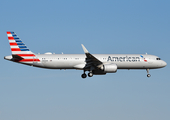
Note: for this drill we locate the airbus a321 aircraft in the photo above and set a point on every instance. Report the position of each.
(96, 64)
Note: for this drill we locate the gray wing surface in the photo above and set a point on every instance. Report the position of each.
(91, 61)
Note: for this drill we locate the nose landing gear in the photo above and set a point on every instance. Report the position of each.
(148, 75)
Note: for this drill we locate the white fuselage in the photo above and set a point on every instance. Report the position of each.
(77, 61)
(96, 64)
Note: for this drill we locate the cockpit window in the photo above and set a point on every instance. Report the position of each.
(158, 58)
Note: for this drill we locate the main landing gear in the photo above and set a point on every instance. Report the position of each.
(148, 75)
(90, 74)
(84, 75)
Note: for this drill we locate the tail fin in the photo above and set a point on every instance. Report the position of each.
(17, 46)
(19, 50)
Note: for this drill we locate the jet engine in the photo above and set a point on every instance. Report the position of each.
(109, 68)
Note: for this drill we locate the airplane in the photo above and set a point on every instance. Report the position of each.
(95, 64)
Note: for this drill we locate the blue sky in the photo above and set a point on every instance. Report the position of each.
(103, 27)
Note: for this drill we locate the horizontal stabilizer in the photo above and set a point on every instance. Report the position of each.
(17, 57)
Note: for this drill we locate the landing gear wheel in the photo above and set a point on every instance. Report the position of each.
(84, 75)
(148, 75)
(90, 74)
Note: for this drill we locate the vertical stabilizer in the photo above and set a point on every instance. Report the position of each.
(19, 49)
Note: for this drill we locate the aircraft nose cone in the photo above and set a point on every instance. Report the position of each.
(164, 63)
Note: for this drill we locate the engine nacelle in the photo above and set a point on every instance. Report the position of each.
(109, 68)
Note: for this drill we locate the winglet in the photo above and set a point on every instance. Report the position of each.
(85, 50)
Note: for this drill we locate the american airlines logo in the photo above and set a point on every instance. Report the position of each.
(143, 58)
(124, 59)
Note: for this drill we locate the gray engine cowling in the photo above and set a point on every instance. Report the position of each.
(109, 68)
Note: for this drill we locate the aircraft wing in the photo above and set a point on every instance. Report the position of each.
(91, 61)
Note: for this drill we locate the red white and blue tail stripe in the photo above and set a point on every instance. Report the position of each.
(19, 50)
